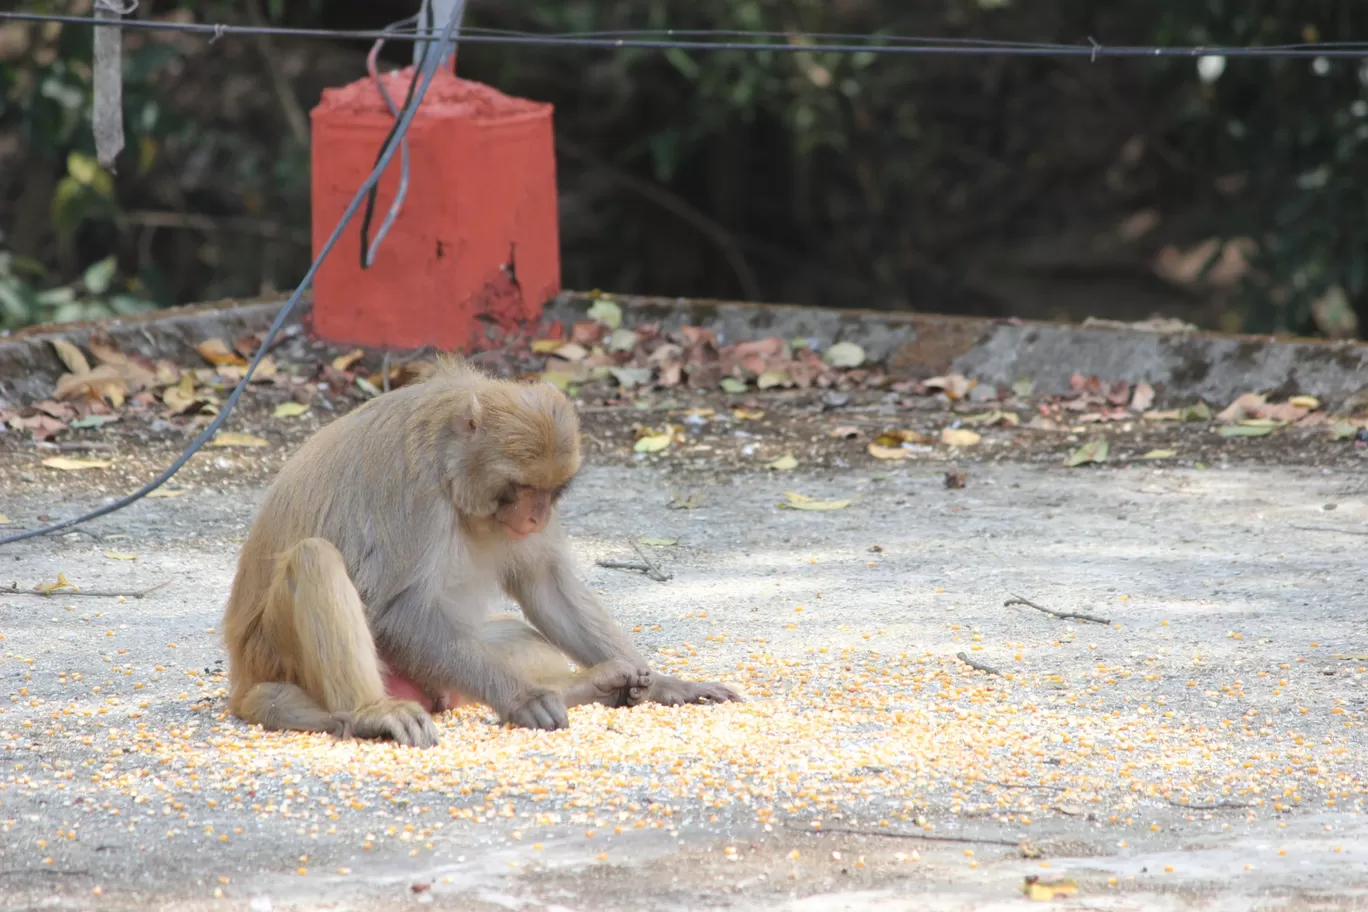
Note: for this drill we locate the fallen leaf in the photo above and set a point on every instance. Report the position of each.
(954, 386)
(1245, 430)
(180, 397)
(773, 378)
(1310, 403)
(630, 377)
(62, 583)
(783, 463)
(5, 520)
(732, 385)
(622, 340)
(745, 414)
(559, 379)
(234, 439)
(685, 503)
(606, 312)
(365, 385)
(1048, 890)
(1092, 451)
(93, 421)
(653, 443)
(991, 417)
(844, 354)
(845, 432)
(798, 501)
(1142, 398)
(67, 464)
(659, 542)
(546, 346)
(958, 437)
(887, 452)
(1160, 454)
(105, 382)
(956, 480)
(897, 437)
(1198, 411)
(1342, 430)
(1244, 406)
(1261, 422)
(119, 555)
(290, 410)
(1023, 388)
(572, 351)
(217, 353)
(71, 356)
(1167, 415)
(167, 492)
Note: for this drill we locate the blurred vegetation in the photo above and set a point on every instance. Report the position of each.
(1233, 194)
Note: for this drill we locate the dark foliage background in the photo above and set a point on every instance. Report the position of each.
(1056, 188)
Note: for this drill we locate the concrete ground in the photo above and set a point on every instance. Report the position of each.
(1204, 749)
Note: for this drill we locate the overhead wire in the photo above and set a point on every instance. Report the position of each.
(792, 42)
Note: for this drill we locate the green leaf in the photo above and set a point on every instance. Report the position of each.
(844, 354)
(659, 542)
(732, 385)
(1244, 430)
(1092, 451)
(606, 312)
(1342, 430)
(1160, 454)
(99, 276)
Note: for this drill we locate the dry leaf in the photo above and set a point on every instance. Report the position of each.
(180, 397)
(572, 351)
(953, 385)
(1160, 454)
(745, 414)
(71, 356)
(546, 346)
(5, 520)
(958, 437)
(845, 432)
(897, 437)
(343, 363)
(119, 555)
(1092, 451)
(784, 463)
(798, 501)
(1048, 890)
(1142, 398)
(659, 542)
(1310, 403)
(68, 464)
(772, 378)
(559, 379)
(844, 354)
(887, 452)
(234, 439)
(732, 385)
(217, 353)
(606, 312)
(1245, 406)
(62, 583)
(290, 410)
(653, 443)
(104, 382)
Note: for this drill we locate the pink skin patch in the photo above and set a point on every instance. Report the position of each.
(401, 688)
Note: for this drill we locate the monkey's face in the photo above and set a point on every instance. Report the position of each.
(525, 510)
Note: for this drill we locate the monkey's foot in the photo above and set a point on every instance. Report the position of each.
(544, 710)
(676, 692)
(612, 683)
(403, 721)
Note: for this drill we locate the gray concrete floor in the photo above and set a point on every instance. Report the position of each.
(1230, 679)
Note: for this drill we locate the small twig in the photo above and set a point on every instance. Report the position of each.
(925, 837)
(295, 118)
(978, 666)
(1214, 806)
(1062, 615)
(1330, 529)
(1026, 785)
(95, 593)
(654, 571)
(611, 563)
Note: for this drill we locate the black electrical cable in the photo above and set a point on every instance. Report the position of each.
(444, 44)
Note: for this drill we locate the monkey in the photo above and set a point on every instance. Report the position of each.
(363, 596)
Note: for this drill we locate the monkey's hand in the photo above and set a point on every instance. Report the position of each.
(544, 709)
(671, 691)
(613, 683)
(403, 720)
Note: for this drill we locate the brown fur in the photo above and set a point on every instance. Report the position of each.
(380, 549)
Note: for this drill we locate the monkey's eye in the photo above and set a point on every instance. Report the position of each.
(508, 496)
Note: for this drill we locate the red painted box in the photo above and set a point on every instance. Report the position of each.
(476, 243)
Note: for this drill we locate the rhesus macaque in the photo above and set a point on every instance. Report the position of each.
(365, 590)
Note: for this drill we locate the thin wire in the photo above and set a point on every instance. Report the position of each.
(797, 42)
(401, 194)
(444, 42)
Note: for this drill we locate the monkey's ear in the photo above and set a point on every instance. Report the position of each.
(474, 416)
